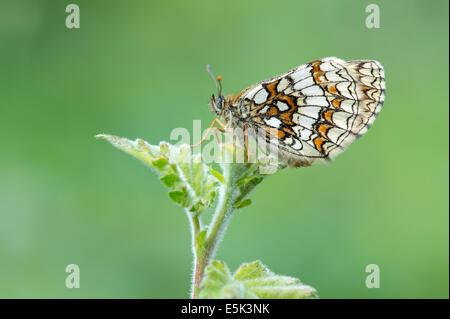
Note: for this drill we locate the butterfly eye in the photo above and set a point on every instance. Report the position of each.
(219, 101)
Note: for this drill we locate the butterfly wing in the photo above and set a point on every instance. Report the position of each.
(315, 110)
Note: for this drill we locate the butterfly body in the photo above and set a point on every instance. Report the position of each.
(310, 113)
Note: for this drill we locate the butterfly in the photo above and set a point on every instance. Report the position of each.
(310, 113)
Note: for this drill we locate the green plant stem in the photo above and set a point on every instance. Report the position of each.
(222, 215)
(195, 229)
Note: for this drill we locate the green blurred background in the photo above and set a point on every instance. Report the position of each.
(137, 69)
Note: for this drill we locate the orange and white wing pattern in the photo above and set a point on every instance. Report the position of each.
(315, 110)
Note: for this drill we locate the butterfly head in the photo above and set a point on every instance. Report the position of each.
(216, 103)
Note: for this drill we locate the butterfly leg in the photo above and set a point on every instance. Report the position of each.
(222, 129)
(244, 128)
(215, 133)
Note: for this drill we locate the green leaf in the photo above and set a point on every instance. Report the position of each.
(217, 175)
(197, 207)
(251, 280)
(245, 180)
(169, 180)
(165, 148)
(160, 162)
(217, 277)
(242, 204)
(178, 196)
(189, 180)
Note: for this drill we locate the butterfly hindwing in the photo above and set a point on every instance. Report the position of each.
(316, 110)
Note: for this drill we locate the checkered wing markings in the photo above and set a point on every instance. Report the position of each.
(318, 108)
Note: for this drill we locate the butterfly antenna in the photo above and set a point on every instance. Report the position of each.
(216, 80)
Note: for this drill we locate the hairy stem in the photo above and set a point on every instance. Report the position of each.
(195, 229)
(222, 215)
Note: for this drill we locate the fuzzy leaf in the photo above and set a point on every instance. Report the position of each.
(169, 180)
(178, 197)
(242, 204)
(251, 280)
(217, 175)
(246, 176)
(189, 180)
(160, 163)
